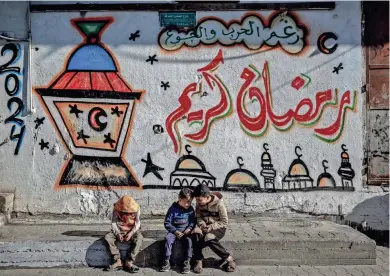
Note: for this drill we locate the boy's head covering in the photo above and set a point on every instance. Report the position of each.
(126, 204)
(201, 190)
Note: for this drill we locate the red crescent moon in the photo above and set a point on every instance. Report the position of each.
(93, 117)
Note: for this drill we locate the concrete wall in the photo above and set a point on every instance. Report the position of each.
(265, 100)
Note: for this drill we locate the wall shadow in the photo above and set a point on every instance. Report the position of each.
(151, 254)
(371, 217)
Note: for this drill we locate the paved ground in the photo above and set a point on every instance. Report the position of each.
(287, 240)
(380, 269)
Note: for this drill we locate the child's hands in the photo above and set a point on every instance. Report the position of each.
(127, 237)
(205, 229)
(186, 232)
(179, 234)
(119, 237)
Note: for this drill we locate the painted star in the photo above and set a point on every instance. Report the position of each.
(165, 85)
(81, 135)
(151, 59)
(134, 36)
(150, 167)
(109, 140)
(39, 121)
(44, 144)
(338, 68)
(75, 110)
(116, 111)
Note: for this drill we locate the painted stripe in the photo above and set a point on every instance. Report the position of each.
(117, 83)
(63, 80)
(100, 82)
(80, 81)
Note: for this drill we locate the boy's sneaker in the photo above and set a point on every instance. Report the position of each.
(198, 267)
(166, 266)
(186, 267)
(116, 265)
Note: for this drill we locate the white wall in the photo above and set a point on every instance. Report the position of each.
(34, 174)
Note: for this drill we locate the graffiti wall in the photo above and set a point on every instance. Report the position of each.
(265, 104)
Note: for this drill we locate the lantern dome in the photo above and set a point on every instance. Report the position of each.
(91, 57)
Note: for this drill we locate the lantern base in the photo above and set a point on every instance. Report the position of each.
(97, 171)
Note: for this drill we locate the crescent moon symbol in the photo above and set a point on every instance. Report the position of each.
(321, 43)
(94, 119)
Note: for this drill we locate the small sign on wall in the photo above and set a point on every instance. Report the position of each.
(178, 19)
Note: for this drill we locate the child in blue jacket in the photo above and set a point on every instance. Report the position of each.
(179, 222)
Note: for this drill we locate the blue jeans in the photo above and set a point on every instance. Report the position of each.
(170, 240)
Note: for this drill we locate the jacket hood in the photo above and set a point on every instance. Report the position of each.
(217, 197)
(126, 204)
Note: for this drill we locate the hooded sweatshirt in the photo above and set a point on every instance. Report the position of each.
(214, 214)
(129, 220)
(179, 219)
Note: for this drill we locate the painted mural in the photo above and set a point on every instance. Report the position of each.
(283, 30)
(250, 102)
(92, 108)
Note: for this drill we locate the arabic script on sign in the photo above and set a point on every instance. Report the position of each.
(251, 33)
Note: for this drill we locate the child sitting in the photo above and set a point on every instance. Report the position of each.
(125, 228)
(179, 222)
(212, 219)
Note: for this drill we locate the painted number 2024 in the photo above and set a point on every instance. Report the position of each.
(12, 86)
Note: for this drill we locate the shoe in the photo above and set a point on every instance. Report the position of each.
(117, 265)
(130, 267)
(230, 264)
(166, 266)
(198, 267)
(186, 267)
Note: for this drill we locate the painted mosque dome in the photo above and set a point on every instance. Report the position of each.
(241, 178)
(190, 162)
(190, 171)
(298, 168)
(325, 179)
(326, 182)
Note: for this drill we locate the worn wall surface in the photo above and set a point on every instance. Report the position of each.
(263, 105)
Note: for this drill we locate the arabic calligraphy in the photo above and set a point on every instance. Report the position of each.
(205, 118)
(306, 112)
(283, 30)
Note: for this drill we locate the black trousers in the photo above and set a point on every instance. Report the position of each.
(210, 240)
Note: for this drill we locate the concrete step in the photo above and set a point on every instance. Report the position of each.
(252, 241)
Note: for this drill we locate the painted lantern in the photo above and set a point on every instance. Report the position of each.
(92, 108)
